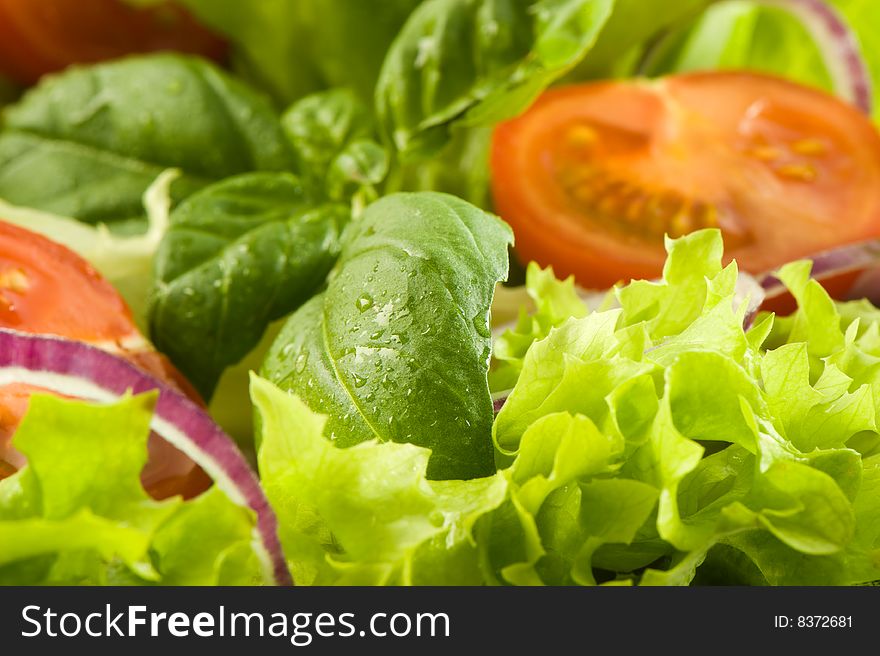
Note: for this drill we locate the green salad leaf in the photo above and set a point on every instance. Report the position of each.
(658, 443)
(555, 302)
(744, 445)
(333, 137)
(754, 36)
(294, 48)
(77, 514)
(460, 168)
(365, 514)
(476, 62)
(88, 142)
(397, 347)
(238, 255)
(250, 249)
(630, 30)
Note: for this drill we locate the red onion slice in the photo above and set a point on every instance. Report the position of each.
(838, 45)
(863, 256)
(81, 371)
(748, 290)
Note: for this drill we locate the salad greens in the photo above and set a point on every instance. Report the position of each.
(237, 255)
(555, 301)
(475, 63)
(333, 137)
(366, 514)
(105, 132)
(397, 348)
(645, 440)
(764, 37)
(291, 222)
(88, 143)
(294, 48)
(77, 514)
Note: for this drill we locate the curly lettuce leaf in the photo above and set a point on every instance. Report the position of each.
(554, 302)
(743, 445)
(657, 443)
(77, 513)
(366, 513)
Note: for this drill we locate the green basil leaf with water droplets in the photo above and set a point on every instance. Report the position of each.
(238, 255)
(397, 347)
(88, 142)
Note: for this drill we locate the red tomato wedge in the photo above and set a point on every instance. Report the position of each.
(41, 36)
(593, 176)
(46, 288)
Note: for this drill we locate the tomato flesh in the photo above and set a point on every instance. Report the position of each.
(47, 289)
(42, 36)
(593, 176)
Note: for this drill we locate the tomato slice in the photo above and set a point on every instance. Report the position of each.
(593, 176)
(41, 36)
(46, 288)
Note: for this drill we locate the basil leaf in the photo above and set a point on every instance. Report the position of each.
(238, 255)
(461, 168)
(362, 165)
(397, 348)
(87, 143)
(332, 136)
(476, 62)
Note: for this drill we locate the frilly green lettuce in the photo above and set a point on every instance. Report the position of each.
(77, 514)
(658, 443)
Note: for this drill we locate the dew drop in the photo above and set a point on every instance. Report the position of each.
(481, 325)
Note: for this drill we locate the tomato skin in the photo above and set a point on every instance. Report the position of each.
(42, 36)
(593, 175)
(47, 289)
